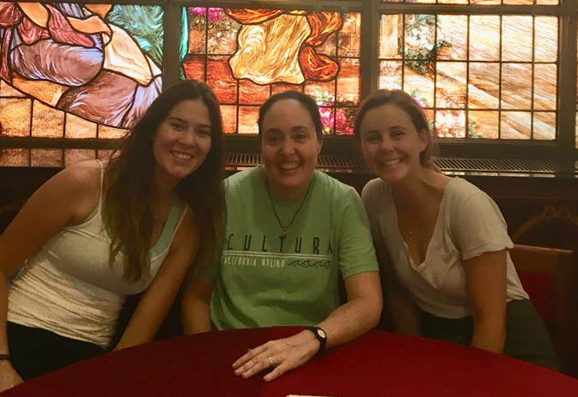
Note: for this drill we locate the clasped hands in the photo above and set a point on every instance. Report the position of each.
(279, 356)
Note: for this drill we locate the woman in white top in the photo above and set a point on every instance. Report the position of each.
(95, 233)
(442, 242)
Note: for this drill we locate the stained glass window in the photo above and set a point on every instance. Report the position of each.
(48, 157)
(247, 55)
(478, 2)
(478, 76)
(70, 70)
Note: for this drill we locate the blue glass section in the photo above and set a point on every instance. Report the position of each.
(184, 41)
(144, 24)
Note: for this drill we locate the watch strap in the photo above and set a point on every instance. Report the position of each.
(321, 336)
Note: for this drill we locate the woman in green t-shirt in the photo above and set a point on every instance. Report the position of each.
(291, 233)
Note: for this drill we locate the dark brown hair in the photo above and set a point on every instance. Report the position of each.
(408, 104)
(304, 100)
(128, 183)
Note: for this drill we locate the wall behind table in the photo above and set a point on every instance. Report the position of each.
(539, 211)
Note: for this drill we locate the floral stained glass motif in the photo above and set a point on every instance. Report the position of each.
(481, 76)
(247, 55)
(70, 70)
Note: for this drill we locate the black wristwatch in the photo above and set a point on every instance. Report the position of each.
(321, 336)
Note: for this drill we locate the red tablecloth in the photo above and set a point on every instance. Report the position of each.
(378, 364)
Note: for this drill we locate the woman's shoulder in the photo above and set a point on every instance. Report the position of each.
(375, 192)
(77, 187)
(241, 178)
(466, 200)
(374, 187)
(83, 176)
(332, 186)
(459, 190)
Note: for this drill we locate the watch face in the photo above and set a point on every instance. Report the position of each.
(321, 333)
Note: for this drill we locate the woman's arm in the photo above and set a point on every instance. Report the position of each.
(159, 296)
(358, 315)
(349, 321)
(65, 199)
(195, 305)
(403, 310)
(486, 283)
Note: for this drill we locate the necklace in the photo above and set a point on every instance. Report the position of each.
(284, 233)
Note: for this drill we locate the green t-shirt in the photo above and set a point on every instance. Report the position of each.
(264, 279)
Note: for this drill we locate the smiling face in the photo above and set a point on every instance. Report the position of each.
(391, 144)
(182, 141)
(289, 146)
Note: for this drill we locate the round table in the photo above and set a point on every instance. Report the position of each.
(377, 364)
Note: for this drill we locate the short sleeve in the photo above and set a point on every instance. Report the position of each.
(356, 251)
(479, 227)
(370, 198)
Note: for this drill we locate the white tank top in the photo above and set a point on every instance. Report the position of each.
(69, 288)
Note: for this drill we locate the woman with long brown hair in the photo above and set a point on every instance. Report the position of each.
(97, 232)
(441, 242)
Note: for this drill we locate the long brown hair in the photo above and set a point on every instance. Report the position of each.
(128, 183)
(405, 102)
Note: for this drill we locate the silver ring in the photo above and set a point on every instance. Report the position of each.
(270, 361)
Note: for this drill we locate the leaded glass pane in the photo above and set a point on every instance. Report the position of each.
(484, 85)
(450, 123)
(516, 125)
(452, 37)
(14, 157)
(72, 156)
(451, 84)
(517, 38)
(98, 62)
(483, 124)
(516, 86)
(46, 158)
(252, 54)
(544, 125)
(546, 40)
(479, 74)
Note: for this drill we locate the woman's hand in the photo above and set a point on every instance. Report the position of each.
(280, 355)
(8, 376)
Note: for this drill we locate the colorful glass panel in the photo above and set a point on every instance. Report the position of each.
(480, 75)
(252, 54)
(79, 68)
(479, 2)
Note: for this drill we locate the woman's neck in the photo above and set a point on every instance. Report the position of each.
(282, 193)
(162, 184)
(410, 194)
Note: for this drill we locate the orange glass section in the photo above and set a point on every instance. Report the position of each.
(251, 54)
